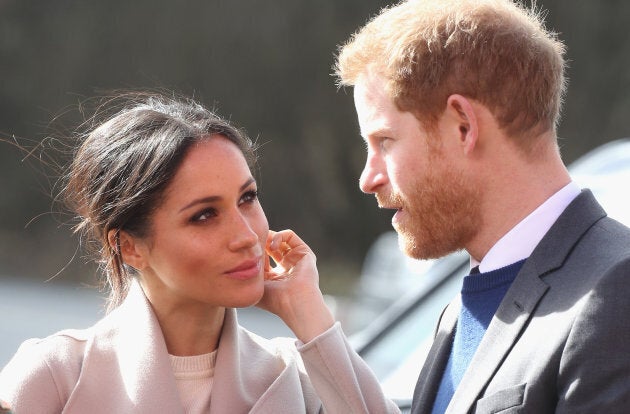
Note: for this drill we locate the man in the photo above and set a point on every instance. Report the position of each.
(458, 103)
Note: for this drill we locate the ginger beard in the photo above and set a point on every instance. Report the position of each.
(440, 211)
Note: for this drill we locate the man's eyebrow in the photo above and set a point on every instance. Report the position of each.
(212, 199)
(377, 132)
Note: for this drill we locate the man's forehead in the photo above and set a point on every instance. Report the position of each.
(377, 113)
(372, 104)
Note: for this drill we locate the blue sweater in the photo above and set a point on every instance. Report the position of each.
(481, 295)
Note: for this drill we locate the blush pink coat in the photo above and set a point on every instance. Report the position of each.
(121, 365)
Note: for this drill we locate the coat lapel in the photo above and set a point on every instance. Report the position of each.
(230, 392)
(126, 366)
(435, 362)
(252, 375)
(522, 298)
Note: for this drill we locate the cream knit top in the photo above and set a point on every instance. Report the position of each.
(194, 375)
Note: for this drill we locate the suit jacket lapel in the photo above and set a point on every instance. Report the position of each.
(435, 362)
(522, 298)
(503, 331)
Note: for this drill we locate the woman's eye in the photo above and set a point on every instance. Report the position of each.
(204, 215)
(249, 197)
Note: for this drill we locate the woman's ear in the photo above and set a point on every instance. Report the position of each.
(462, 113)
(130, 248)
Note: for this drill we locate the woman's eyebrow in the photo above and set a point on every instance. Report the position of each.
(211, 199)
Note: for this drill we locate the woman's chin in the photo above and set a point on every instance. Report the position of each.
(247, 299)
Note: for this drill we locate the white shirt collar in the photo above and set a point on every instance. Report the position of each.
(519, 243)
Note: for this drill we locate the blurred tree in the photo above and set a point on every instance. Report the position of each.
(266, 66)
(597, 107)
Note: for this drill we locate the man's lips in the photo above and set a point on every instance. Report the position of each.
(397, 212)
(391, 203)
(245, 270)
(386, 207)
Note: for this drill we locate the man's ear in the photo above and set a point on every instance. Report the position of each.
(463, 116)
(130, 248)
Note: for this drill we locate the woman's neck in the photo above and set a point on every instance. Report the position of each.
(189, 333)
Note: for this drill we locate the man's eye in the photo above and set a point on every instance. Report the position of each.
(384, 141)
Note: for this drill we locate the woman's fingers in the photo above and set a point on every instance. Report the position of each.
(284, 239)
(286, 249)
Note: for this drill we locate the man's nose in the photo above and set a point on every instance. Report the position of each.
(373, 176)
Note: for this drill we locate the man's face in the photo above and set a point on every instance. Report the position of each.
(410, 169)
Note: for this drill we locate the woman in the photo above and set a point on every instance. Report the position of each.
(164, 187)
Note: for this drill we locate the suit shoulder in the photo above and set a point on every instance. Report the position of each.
(608, 241)
(603, 257)
(614, 226)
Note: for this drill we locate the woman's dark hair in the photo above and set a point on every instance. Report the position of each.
(133, 147)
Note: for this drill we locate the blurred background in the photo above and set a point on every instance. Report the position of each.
(265, 65)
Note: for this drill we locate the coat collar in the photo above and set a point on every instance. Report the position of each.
(254, 374)
(126, 367)
(126, 364)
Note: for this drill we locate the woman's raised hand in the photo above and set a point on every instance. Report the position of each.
(292, 286)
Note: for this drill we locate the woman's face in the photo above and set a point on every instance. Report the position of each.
(207, 237)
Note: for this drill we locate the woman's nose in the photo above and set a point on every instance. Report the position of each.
(243, 234)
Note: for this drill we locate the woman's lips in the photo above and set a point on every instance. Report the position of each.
(246, 270)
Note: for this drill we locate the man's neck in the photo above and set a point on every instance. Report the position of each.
(514, 187)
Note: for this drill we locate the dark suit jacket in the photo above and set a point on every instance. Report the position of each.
(560, 339)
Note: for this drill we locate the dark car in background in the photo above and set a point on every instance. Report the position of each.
(402, 297)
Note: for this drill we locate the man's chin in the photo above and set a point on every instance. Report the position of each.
(421, 249)
(409, 246)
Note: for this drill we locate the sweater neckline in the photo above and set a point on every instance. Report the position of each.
(195, 366)
(490, 280)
